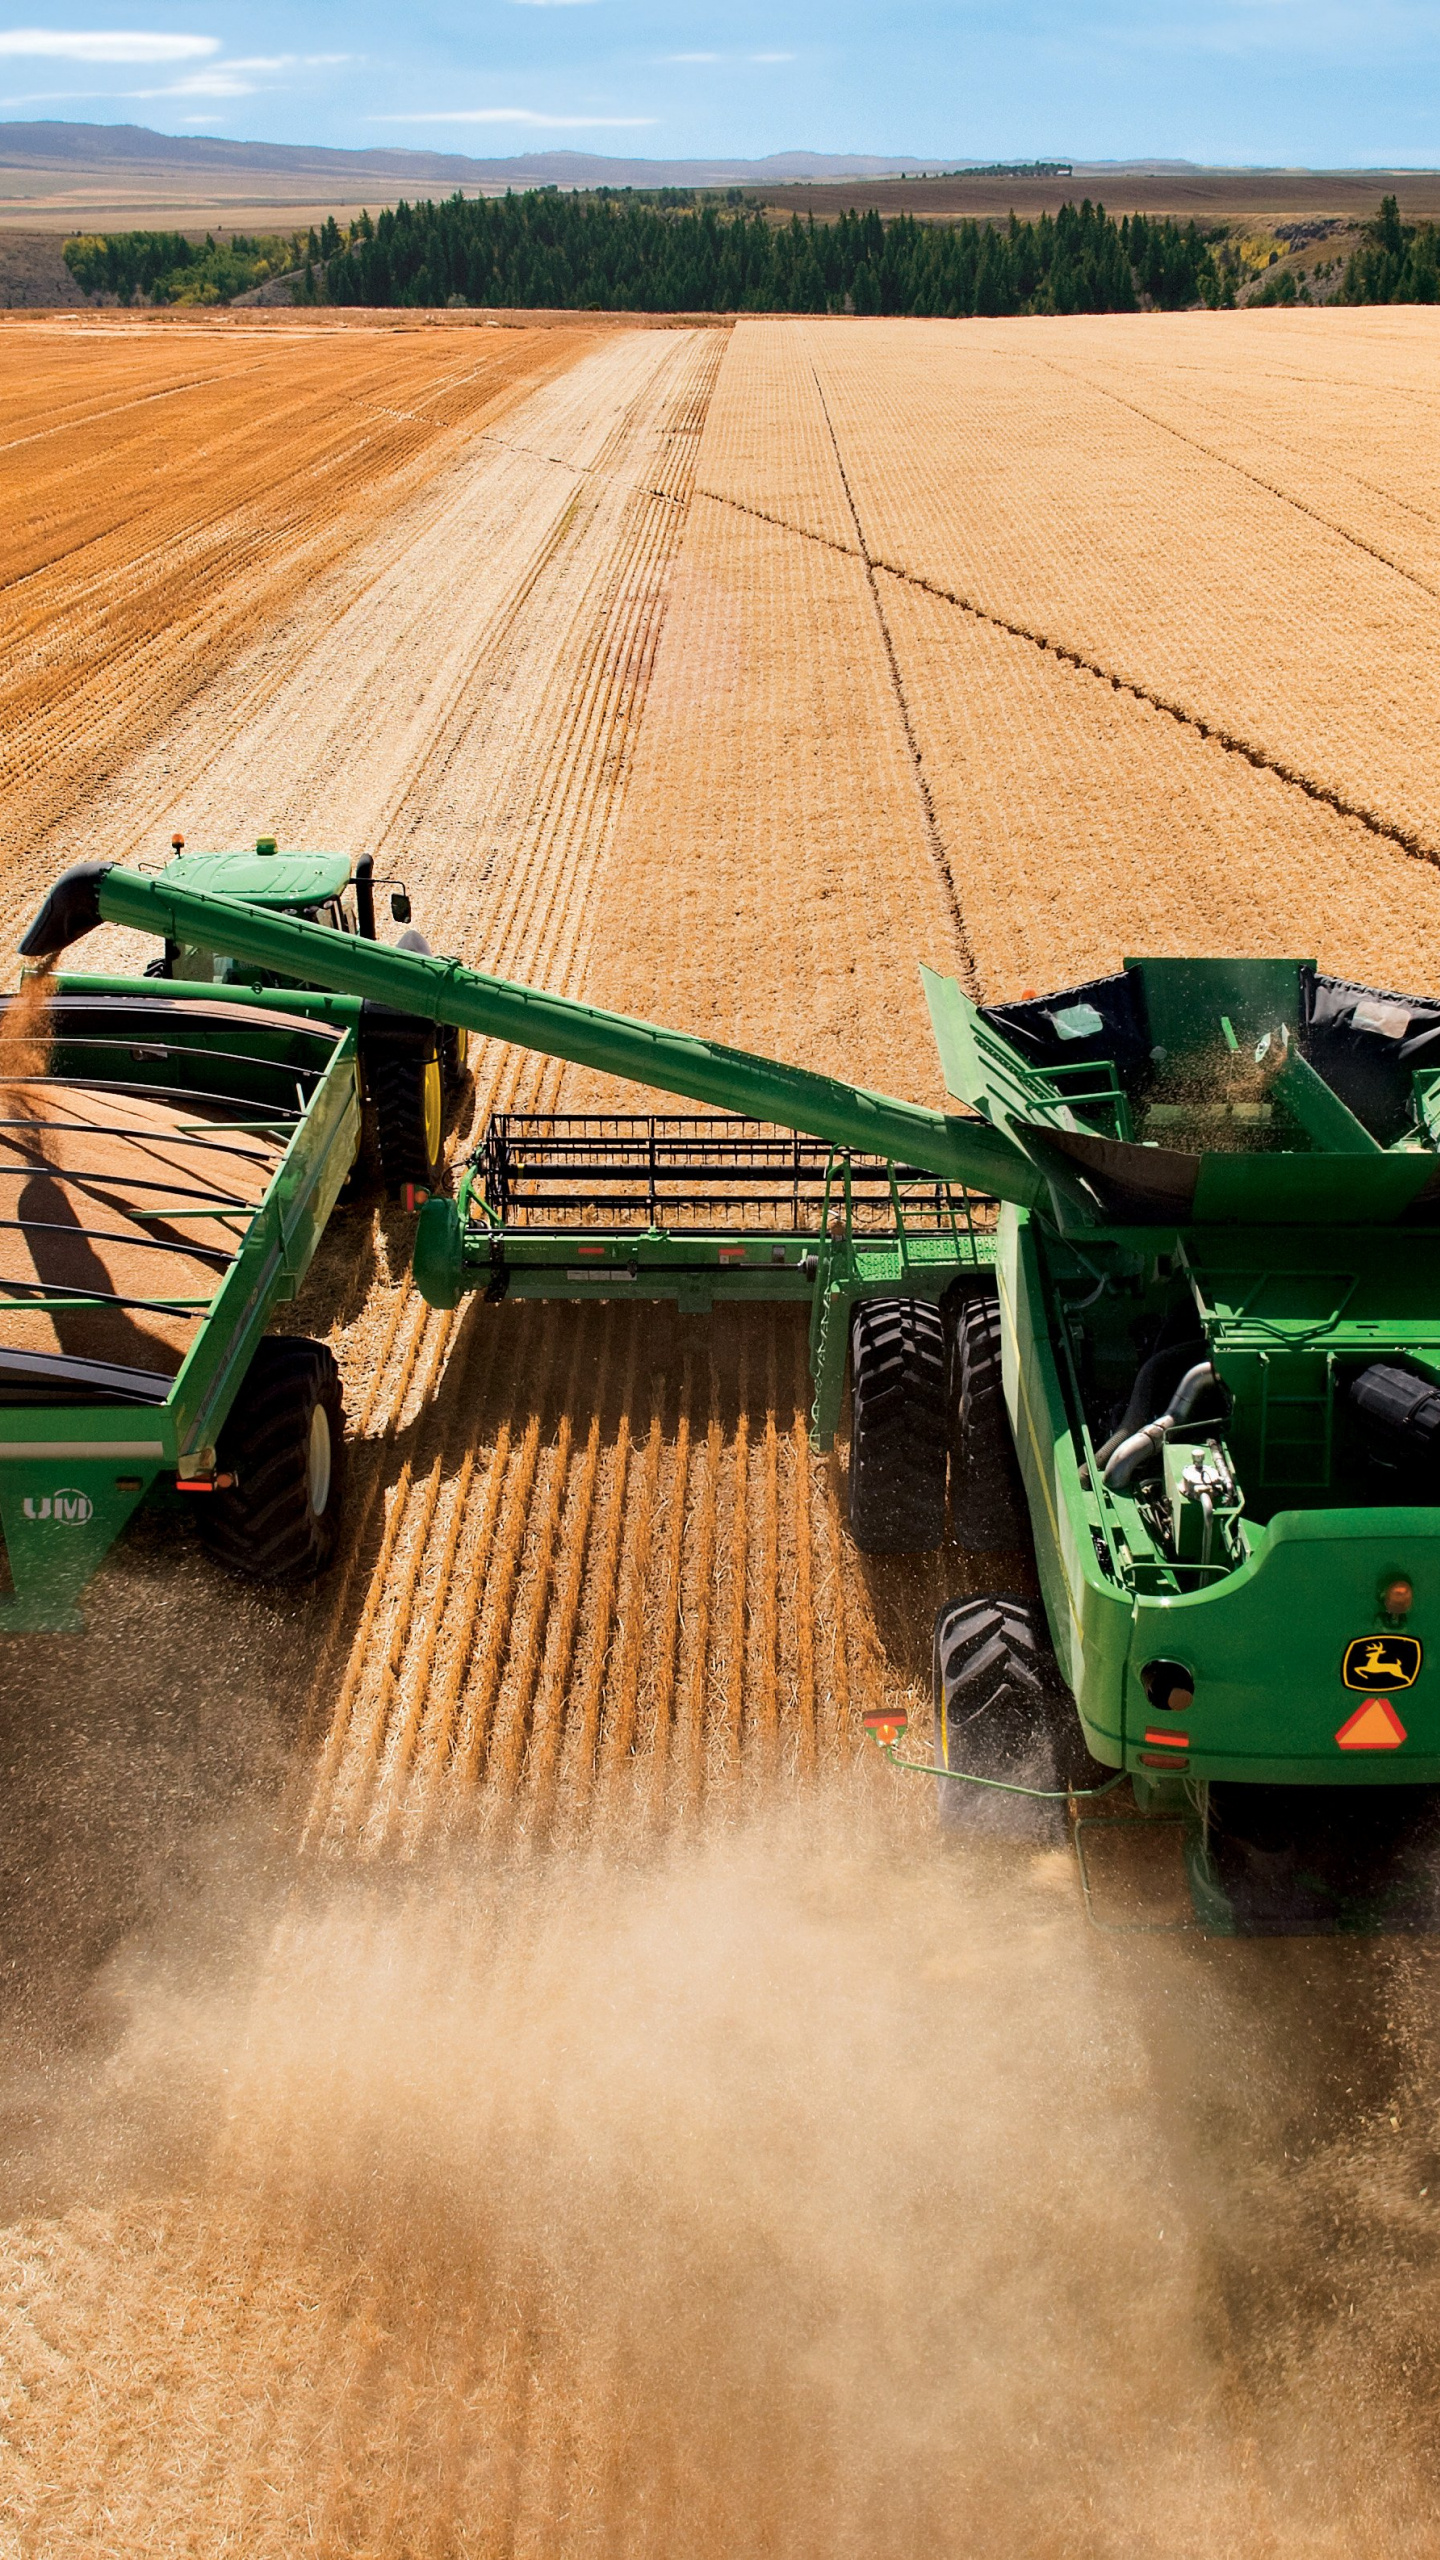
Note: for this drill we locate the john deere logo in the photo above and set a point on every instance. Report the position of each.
(68, 1507)
(1382, 1662)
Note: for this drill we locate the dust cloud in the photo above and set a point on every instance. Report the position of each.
(803, 2185)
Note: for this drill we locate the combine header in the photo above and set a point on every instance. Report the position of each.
(1169, 1284)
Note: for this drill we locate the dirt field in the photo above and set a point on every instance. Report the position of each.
(490, 2066)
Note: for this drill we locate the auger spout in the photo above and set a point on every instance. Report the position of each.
(964, 1150)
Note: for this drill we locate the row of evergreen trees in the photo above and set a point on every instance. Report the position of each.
(569, 252)
(661, 252)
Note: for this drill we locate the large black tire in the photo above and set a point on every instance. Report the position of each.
(284, 1444)
(1002, 1711)
(407, 1087)
(987, 1504)
(898, 1436)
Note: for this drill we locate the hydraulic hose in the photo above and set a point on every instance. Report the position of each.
(1132, 1453)
(1001, 1786)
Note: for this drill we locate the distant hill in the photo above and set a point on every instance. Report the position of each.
(47, 145)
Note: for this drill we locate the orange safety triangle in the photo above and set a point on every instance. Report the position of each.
(1373, 1727)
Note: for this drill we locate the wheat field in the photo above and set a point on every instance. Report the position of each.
(493, 2066)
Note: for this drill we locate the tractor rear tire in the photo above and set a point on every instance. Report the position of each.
(898, 1437)
(284, 1444)
(407, 1087)
(1002, 1711)
(987, 1502)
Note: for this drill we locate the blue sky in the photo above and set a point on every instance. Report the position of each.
(1317, 82)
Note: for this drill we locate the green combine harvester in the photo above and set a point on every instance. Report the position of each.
(1164, 1297)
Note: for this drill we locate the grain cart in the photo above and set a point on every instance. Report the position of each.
(171, 1148)
(1199, 1346)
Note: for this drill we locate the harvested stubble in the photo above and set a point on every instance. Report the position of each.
(573, 2194)
(169, 497)
(998, 472)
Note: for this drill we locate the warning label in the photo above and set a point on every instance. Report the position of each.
(1373, 1727)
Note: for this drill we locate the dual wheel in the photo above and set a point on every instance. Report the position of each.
(928, 1430)
(930, 1449)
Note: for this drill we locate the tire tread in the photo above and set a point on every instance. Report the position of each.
(898, 1439)
(264, 1528)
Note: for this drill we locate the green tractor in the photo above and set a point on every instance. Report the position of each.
(409, 1075)
(1162, 1299)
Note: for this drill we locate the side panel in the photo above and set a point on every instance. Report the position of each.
(1089, 1618)
(1291, 1651)
(58, 1517)
(274, 1258)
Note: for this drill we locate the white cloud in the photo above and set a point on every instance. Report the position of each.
(507, 115)
(227, 80)
(219, 83)
(60, 44)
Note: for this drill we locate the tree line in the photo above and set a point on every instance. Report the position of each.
(545, 250)
(661, 251)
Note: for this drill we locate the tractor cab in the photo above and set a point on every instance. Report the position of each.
(319, 888)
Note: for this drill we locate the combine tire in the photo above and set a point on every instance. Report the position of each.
(988, 1506)
(407, 1089)
(1003, 1711)
(284, 1444)
(897, 1430)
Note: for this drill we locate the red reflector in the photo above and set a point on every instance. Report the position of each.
(885, 1721)
(194, 1484)
(732, 1253)
(1172, 1741)
(589, 1252)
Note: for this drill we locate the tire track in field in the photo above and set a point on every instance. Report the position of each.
(1271, 435)
(1256, 479)
(1385, 830)
(939, 852)
(432, 1733)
